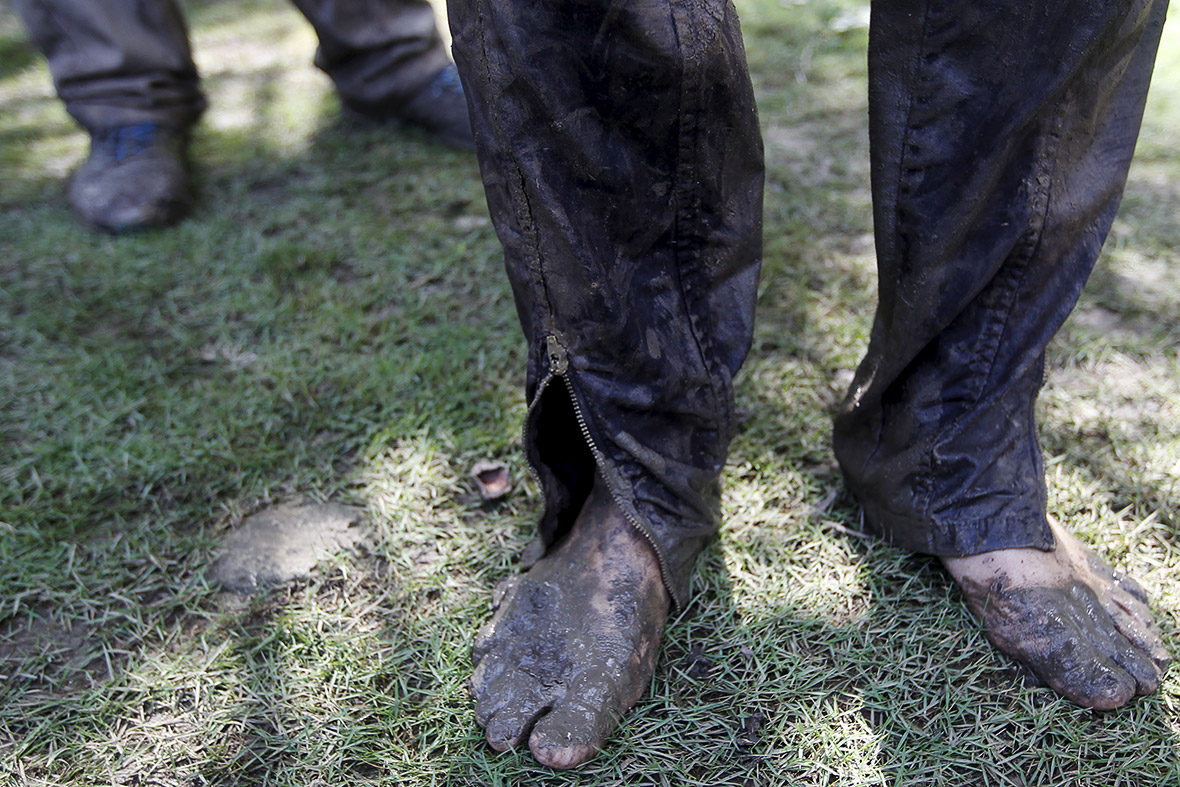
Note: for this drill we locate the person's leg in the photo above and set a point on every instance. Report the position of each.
(622, 161)
(387, 60)
(1001, 135)
(125, 72)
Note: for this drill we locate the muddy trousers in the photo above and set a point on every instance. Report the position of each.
(121, 62)
(622, 161)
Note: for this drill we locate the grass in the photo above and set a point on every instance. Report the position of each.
(333, 323)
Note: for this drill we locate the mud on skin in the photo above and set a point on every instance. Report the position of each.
(1075, 623)
(572, 645)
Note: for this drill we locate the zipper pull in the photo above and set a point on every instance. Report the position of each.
(558, 360)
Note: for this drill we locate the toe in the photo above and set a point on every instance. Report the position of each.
(1080, 670)
(1066, 639)
(498, 687)
(1075, 670)
(1134, 623)
(508, 701)
(1139, 647)
(562, 757)
(1129, 585)
(1103, 668)
(579, 724)
(487, 704)
(570, 734)
(1141, 668)
(1095, 683)
(508, 728)
(501, 604)
(1125, 601)
(1124, 594)
(482, 644)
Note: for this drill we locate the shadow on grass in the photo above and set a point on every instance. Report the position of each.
(280, 723)
(320, 307)
(328, 306)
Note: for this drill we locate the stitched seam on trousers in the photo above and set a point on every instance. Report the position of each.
(922, 490)
(901, 169)
(1016, 268)
(1014, 273)
(1044, 179)
(1007, 285)
(997, 525)
(518, 191)
(688, 216)
(1020, 257)
(909, 113)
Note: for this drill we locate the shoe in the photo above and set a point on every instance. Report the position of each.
(440, 108)
(135, 178)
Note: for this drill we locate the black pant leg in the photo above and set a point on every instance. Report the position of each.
(1001, 134)
(622, 159)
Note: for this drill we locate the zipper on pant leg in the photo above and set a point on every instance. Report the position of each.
(559, 367)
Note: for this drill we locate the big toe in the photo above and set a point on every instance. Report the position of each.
(1064, 636)
(1070, 664)
(1079, 671)
(571, 734)
(579, 725)
(1095, 684)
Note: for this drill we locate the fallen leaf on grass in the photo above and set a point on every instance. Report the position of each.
(491, 479)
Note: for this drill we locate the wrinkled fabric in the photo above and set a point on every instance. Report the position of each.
(622, 164)
(1000, 137)
(379, 53)
(117, 63)
(622, 160)
(123, 62)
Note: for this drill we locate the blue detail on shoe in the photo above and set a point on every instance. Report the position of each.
(439, 108)
(445, 81)
(126, 142)
(134, 178)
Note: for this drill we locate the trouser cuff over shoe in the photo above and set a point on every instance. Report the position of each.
(440, 109)
(135, 178)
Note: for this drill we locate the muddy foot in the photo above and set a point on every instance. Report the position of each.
(573, 642)
(1077, 625)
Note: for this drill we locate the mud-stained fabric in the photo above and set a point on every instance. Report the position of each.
(622, 163)
(123, 62)
(1001, 135)
(622, 160)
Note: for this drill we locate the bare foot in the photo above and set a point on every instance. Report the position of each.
(573, 643)
(1073, 621)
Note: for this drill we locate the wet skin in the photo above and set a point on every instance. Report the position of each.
(1075, 623)
(573, 642)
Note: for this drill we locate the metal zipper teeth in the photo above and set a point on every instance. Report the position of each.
(559, 361)
(524, 430)
(600, 460)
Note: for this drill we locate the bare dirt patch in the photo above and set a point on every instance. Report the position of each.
(285, 543)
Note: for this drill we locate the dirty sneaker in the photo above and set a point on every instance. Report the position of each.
(135, 178)
(440, 108)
